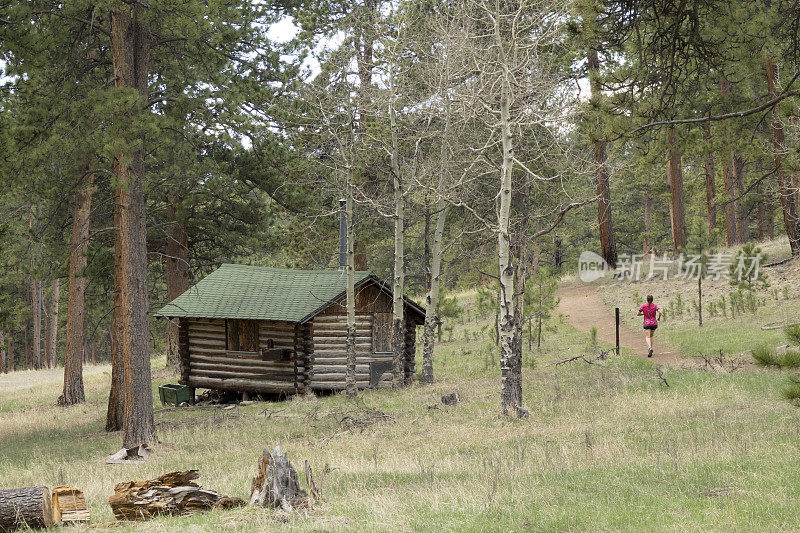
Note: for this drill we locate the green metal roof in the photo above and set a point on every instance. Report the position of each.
(261, 293)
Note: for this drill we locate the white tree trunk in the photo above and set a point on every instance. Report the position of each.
(350, 374)
(510, 395)
(432, 299)
(398, 280)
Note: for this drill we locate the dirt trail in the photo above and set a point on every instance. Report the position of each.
(584, 308)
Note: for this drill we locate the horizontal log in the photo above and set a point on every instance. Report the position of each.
(360, 346)
(207, 343)
(322, 369)
(279, 375)
(341, 352)
(337, 377)
(206, 351)
(245, 368)
(325, 336)
(28, 507)
(360, 317)
(239, 361)
(205, 324)
(321, 385)
(343, 360)
(238, 385)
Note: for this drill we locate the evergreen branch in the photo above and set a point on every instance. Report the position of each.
(726, 116)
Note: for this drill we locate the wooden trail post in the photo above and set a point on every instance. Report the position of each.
(616, 317)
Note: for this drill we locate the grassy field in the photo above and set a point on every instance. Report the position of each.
(607, 447)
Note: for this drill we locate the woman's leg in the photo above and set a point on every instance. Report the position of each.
(652, 331)
(648, 335)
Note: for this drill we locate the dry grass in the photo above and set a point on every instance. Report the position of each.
(607, 447)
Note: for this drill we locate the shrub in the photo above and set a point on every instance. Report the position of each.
(790, 359)
(793, 334)
(791, 391)
(765, 356)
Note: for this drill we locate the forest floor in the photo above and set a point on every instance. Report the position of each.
(618, 445)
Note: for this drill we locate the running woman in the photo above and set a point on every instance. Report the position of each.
(649, 311)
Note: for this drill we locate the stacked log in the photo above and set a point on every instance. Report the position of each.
(211, 365)
(69, 505)
(330, 352)
(173, 493)
(28, 507)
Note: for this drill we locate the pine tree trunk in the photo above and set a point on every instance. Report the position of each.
(763, 208)
(711, 189)
(350, 372)
(3, 353)
(742, 225)
(647, 223)
(732, 223)
(76, 299)
(398, 277)
(608, 245)
(177, 271)
(10, 363)
(51, 326)
(116, 400)
(675, 180)
(130, 42)
(28, 344)
(790, 204)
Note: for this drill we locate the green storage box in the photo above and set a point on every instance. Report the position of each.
(174, 394)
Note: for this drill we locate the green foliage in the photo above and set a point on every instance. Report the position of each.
(791, 391)
(745, 271)
(793, 334)
(764, 355)
(593, 337)
(448, 306)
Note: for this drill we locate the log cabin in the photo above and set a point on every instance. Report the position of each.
(269, 330)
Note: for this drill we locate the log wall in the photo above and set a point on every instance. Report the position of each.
(211, 365)
(319, 351)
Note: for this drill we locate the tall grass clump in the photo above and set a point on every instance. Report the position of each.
(793, 334)
(764, 355)
(791, 391)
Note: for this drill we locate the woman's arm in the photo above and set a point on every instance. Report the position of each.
(640, 313)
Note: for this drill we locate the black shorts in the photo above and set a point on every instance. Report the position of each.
(651, 327)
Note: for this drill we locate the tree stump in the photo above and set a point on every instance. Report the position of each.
(28, 507)
(277, 485)
(173, 493)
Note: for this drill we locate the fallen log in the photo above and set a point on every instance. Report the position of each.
(277, 485)
(173, 493)
(28, 507)
(69, 505)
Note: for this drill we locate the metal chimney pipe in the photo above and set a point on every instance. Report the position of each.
(342, 234)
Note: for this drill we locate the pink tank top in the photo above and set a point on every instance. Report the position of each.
(649, 311)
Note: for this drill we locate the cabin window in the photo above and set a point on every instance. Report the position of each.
(242, 335)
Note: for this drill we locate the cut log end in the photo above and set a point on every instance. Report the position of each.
(28, 507)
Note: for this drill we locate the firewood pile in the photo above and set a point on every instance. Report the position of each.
(173, 493)
(277, 484)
